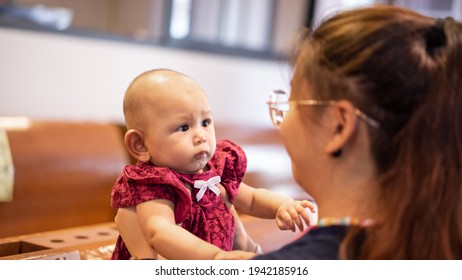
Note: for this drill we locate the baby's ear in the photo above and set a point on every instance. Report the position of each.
(134, 141)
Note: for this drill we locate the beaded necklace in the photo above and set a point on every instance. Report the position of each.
(344, 221)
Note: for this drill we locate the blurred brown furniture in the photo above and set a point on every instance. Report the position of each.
(64, 172)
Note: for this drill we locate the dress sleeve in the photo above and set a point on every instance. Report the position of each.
(232, 161)
(136, 185)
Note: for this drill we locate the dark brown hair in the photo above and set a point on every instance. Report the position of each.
(405, 71)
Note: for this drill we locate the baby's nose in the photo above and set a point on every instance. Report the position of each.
(200, 139)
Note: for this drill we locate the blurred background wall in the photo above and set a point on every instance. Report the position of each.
(79, 69)
(67, 77)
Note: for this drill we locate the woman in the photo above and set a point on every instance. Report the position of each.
(376, 114)
(373, 128)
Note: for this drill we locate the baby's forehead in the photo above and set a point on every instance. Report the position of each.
(174, 87)
(159, 89)
(164, 77)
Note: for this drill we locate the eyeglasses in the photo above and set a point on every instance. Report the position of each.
(279, 106)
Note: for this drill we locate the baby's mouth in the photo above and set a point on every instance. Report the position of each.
(201, 155)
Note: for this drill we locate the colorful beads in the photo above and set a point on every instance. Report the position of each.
(343, 221)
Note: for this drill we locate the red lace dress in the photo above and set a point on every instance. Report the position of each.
(209, 219)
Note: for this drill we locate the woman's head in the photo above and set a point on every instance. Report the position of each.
(403, 70)
(385, 60)
(169, 121)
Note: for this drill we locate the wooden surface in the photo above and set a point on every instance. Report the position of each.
(64, 173)
(77, 243)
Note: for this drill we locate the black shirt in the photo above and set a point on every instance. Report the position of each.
(321, 243)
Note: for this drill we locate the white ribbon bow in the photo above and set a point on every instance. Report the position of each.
(204, 185)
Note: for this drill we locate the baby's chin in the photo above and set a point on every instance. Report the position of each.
(196, 169)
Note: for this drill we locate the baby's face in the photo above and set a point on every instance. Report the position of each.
(180, 133)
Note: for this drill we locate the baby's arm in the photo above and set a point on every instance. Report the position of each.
(264, 203)
(130, 230)
(156, 218)
(242, 240)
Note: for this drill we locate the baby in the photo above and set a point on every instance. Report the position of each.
(185, 187)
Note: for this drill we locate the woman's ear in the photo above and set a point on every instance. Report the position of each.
(134, 142)
(345, 120)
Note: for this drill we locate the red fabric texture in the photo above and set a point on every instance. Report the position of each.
(208, 219)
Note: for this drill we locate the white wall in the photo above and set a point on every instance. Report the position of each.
(51, 76)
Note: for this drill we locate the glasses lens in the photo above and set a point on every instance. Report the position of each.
(278, 105)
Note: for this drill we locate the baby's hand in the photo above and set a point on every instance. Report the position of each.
(234, 255)
(291, 213)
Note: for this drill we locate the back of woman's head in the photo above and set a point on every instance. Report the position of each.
(405, 71)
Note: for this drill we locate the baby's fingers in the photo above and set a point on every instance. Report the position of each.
(295, 219)
(299, 223)
(307, 218)
(300, 214)
(284, 221)
(308, 204)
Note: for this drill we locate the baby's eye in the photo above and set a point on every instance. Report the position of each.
(183, 128)
(206, 122)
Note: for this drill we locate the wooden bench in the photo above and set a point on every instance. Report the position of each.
(64, 172)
